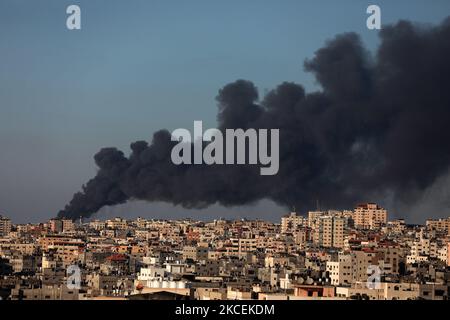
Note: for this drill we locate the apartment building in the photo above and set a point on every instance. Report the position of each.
(443, 253)
(396, 226)
(5, 226)
(61, 225)
(361, 260)
(97, 225)
(369, 216)
(384, 291)
(52, 240)
(442, 225)
(313, 216)
(241, 246)
(54, 292)
(195, 253)
(116, 223)
(291, 222)
(55, 225)
(24, 263)
(67, 225)
(448, 254)
(154, 257)
(328, 231)
(423, 249)
(340, 271)
(392, 256)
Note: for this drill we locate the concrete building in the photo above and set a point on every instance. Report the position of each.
(341, 271)
(385, 291)
(55, 292)
(314, 291)
(448, 254)
(241, 246)
(55, 225)
(152, 273)
(396, 226)
(313, 215)
(361, 260)
(291, 222)
(67, 225)
(61, 225)
(195, 253)
(442, 225)
(424, 247)
(389, 256)
(229, 259)
(210, 293)
(328, 231)
(443, 253)
(116, 223)
(24, 263)
(238, 293)
(5, 226)
(369, 216)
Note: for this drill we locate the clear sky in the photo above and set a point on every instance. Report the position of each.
(142, 65)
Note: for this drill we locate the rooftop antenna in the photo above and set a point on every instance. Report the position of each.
(317, 205)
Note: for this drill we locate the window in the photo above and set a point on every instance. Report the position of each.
(439, 292)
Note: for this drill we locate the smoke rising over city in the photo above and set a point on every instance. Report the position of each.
(377, 128)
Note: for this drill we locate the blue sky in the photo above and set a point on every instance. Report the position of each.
(141, 65)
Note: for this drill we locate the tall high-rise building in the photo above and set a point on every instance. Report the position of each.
(313, 216)
(291, 222)
(61, 225)
(68, 225)
(442, 225)
(5, 226)
(361, 260)
(328, 231)
(55, 225)
(369, 216)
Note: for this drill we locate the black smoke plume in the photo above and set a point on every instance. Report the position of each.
(379, 125)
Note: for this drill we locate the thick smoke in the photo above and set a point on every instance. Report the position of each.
(380, 125)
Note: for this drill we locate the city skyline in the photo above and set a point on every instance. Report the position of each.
(270, 217)
(359, 254)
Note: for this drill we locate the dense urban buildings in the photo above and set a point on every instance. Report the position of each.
(351, 254)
